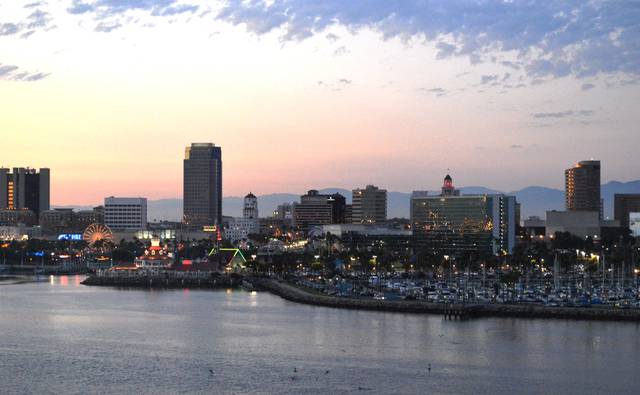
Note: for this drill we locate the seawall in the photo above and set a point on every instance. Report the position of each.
(296, 294)
(163, 282)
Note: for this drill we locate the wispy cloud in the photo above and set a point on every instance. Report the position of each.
(109, 13)
(35, 20)
(9, 72)
(563, 114)
(587, 86)
(549, 38)
(8, 29)
(485, 79)
(437, 91)
(341, 51)
(335, 85)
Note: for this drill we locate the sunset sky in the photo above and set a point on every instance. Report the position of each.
(313, 94)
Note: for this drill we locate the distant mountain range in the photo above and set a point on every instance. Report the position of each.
(535, 200)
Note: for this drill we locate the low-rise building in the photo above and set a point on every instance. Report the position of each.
(626, 206)
(122, 213)
(12, 217)
(579, 223)
(317, 209)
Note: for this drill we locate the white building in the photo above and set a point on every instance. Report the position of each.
(248, 224)
(125, 213)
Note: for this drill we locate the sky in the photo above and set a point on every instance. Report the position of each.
(313, 94)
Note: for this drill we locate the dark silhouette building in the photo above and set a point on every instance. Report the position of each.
(202, 193)
(625, 204)
(317, 209)
(25, 188)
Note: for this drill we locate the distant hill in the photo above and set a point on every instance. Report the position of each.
(535, 200)
(538, 200)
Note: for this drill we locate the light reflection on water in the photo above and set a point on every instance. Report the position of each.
(60, 336)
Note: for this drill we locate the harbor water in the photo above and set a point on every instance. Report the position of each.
(58, 336)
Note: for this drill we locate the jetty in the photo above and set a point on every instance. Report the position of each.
(204, 280)
(453, 311)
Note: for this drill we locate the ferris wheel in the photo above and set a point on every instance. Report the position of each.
(95, 232)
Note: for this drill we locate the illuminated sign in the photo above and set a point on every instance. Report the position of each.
(209, 228)
(70, 236)
(37, 253)
(634, 224)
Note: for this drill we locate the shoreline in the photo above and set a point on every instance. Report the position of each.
(299, 295)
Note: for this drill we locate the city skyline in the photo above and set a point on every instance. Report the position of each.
(502, 104)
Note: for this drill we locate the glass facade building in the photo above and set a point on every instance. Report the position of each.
(457, 224)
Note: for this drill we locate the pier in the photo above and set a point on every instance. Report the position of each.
(164, 280)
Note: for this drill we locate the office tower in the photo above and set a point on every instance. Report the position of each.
(318, 209)
(582, 186)
(369, 205)
(453, 224)
(125, 213)
(625, 206)
(202, 193)
(25, 188)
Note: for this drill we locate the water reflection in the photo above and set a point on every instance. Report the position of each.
(114, 340)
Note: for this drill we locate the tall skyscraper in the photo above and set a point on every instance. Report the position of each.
(582, 186)
(25, 188)
(202, 193)
(369, 205)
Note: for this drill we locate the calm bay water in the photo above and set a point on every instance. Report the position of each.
(62, 337)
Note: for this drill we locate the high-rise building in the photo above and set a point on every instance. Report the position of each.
(369, 205)
(25, 188)
(125, 213)
(582, 186)
(317, 209)
(202, 193)
(453, 224)
(625, 206)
